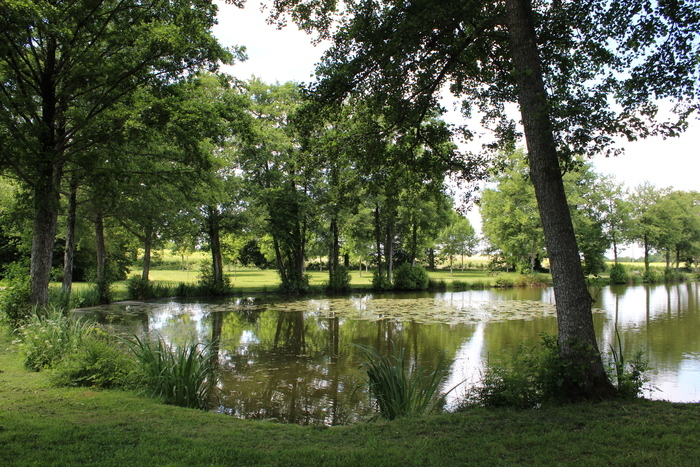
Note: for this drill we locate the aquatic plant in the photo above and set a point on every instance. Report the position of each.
(183, 376)
(399, 391)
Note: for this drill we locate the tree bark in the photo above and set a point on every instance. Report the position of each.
(215, 245)
(67, 282)
(147, 243)
(577, 342)
(101, 259)
(378, 239)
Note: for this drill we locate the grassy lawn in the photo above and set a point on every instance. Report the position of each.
(43, 425)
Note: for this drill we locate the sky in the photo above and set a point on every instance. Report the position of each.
(288, 55)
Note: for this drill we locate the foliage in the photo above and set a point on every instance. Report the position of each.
(398, 391)
(628, 376)
(49, 336)
(380, 282)
(618, 274)
(536, 375)
(531, 280)
(183, 376)
(339, 281)
(652, 276)
(437, 285)
(98, 361)
(527, 380)
(209, 286)
(407, 277)
(504, 281)
(15, 307)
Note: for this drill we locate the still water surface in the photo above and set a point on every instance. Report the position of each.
(293, 360)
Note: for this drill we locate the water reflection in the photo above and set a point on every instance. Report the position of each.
(293, 360)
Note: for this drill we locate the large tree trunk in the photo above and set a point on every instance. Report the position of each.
(389, 249)
(70, 237)
(577, 342)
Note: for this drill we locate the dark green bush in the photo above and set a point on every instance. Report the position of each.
(380, 282)
(339, 281)
(407, 277)
(618, 274)
(652, 276)
(139, 289)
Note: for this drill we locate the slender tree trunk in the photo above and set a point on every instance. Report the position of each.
(646, 253)
(101, 257)
(414, 243)
(577, 341)
(614, 244)
(389, 248)
(215, 245)
(147, 243)
(378, 238)
(70, 237)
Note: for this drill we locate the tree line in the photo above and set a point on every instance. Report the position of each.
(606, 214)
(83, 84)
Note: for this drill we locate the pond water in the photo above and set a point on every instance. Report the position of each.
(292, 360)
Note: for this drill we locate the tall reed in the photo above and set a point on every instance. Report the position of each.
(399, 391)
(183, 376)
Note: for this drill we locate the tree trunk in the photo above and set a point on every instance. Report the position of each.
(70, 237)
(217, 262)
(378, 238)
(47, 184)
(578, 348)
(646, 253)
(147, 241)
(389, 249)
(101, 258)
(414, 243)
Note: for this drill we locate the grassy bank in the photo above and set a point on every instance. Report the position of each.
(41, 425)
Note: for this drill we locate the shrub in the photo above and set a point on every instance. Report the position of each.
(460, 286)
(183, 376)
(651, 276)
(380, 282)
(618, 274)
(525, 381)
(14, 304)
(139, 289)
(407, 277)
(437, 285)
(399, 392)
(99, 361)
(530, 280)
(209, 286)
(339, 281)
(48, 336)
(504, 282)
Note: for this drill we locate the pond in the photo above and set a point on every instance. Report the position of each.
(293, 360)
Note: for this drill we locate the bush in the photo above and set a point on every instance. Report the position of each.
(99, 361)
(618, 274)
(651, 276)
(525, 381)
(530, 280)
(48, 336)
(380, 282)
(183, 376)
(504, 282)
(407, 277)
(139, 289)
(437, 285)
(339, 281)
(209, 286)
(15, 307)
(399, 392)
(460, 286)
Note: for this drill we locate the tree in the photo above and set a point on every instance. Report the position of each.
(458, 238)
(65, 68)
(566, 64)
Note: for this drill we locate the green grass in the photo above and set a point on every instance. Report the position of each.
(41, 425)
